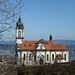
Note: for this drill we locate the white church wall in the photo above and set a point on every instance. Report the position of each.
(42, 55)
(47, 57)
(29, 58)
(59, 52)
(67, 56)
(52, 56)
(18, 58)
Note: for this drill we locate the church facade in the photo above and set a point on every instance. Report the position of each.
(40, 52)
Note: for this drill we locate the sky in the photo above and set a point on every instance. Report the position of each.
(44, 17)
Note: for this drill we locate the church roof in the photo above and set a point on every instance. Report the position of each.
(41, 41)
(49, 45)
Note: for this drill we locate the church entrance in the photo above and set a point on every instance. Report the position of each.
(40, 61)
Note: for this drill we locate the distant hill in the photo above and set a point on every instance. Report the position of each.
(65, 42)
(9, 43)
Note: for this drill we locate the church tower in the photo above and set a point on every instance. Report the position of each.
(19, 32)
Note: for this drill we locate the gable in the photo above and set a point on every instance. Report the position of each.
(40, 46)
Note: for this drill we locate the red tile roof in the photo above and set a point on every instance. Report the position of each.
(49, 45)
(41, 41)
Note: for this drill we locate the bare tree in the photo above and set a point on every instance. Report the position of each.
(9, 10)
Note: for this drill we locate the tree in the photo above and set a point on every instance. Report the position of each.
(9, 10)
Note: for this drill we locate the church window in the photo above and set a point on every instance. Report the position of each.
(19, 33)
(52, 56)
(65, 56)
(29, 56)
(24, 57)
(47, 57)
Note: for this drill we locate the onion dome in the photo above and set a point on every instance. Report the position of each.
(19, 24)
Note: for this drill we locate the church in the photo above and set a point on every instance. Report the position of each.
(40, 52)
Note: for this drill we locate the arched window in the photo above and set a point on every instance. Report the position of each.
(65, 56)
(47, 57)
(29, 56)
(24, 57)
(52, 56)
(19, 33)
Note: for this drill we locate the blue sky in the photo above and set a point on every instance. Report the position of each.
(45, 17)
